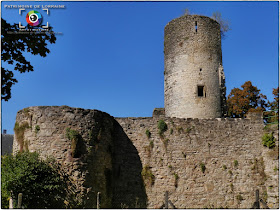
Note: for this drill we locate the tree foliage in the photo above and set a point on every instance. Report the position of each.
(272, 116)
(13, 45)
(224, 24)
(240, 101)
(38, 180)
(275, 104)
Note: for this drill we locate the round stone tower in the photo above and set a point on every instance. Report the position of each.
(193, 72)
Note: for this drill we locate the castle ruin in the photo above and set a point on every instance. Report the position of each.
(194, 82)
(201, 159)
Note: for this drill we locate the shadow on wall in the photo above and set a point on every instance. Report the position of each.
(114, 169)
(128, 187)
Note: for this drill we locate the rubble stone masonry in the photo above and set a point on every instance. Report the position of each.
(202, 163)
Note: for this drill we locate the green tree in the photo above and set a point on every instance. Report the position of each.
(38, 180)
(13, 45)
(240, 101)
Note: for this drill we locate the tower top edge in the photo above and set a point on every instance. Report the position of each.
(191, 17)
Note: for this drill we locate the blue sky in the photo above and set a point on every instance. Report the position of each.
(110, 55)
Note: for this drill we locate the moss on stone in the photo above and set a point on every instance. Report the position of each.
(19, 131)
(75, 138)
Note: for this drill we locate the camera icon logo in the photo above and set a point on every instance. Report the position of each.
(34, 18)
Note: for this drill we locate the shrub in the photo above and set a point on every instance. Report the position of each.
(162, 126)
(202, 167)
(224, 167)
(37, 129)
(239, 197)
(230, 172)
(148, 175)
(268, 140)
(148, 133)
(235, 163)
(171, 131)
(38, 180)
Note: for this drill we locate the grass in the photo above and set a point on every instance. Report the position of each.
(235, 163)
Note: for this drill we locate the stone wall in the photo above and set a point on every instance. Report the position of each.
(200, 162)
(99, 159)
(192, 58)
(236, 163)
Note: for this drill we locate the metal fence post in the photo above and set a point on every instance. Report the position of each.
(19, 200)
(11, 203)
(166, 200)
(257, 199)
(98, 200)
